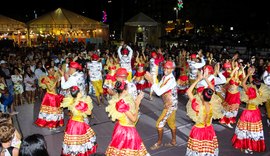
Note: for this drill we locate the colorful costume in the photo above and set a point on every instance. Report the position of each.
(126, 141)
(249, 130)
(50, 114)
(154, 67)
(110, 79)
(79, 138)
(266, 79)
(167, 89)
(75, 79)
(202, 139)
(125, 60)
(193, 67)
(95, 74)
(182, 84)
(231, 103)
(138, 78)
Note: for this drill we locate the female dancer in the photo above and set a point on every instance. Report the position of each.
(201, 109)
(249, 130)
(79, 137)
(125, 139)
(232, 97)
(50, 115)
(138, 78)
(111, 66)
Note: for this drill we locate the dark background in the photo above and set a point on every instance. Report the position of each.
(246, 14)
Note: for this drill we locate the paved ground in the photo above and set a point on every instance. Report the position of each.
(150, 110)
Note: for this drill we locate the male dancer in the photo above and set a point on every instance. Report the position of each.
(167, 89)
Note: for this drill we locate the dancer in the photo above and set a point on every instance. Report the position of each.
(79, 137)
(50, 114)
(201, 108)
(194, 66)
(266, 80)
(125, 55)
(249, 134)
(95, 74)
(232, 98)
(167, 89)
(109, 82)
(156, 59)
(76, 78)
(138, 78)
(125, 138)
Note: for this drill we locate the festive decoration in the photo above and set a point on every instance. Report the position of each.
(180, 4)
(104, 18)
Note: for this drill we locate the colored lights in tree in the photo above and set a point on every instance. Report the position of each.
(180, 4)
(104, 18)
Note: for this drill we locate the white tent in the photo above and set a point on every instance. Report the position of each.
(141, 20)
(142, 29)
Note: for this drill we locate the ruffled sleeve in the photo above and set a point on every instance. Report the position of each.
(193, 108)
(121, 106)
(217, 107)
(195, 105)
(82, 106)
(42, 82)
(251, 93)
(111, 109)
(117, 107)
(264, 92)
(67, 102)
(254, 96)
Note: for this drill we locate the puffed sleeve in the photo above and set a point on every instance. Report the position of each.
(82, 106)
(121, 106)
(195, 105)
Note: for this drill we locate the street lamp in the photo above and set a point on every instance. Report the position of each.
(176, 12)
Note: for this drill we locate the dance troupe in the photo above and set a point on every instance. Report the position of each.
(214, 94)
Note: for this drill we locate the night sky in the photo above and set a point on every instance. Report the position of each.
(247, 13)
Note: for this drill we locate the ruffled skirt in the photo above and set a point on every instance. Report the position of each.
(231, 106)
(202, 141)
(249, 132)
(50, 115)
(126, 141)
(79, 139)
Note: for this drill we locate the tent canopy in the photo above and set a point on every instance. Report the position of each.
(62, 18)
(9, 24)
(142, 20)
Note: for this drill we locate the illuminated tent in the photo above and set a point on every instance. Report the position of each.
(143, 30)
(10, 25)
(67, 25)
(12, 29)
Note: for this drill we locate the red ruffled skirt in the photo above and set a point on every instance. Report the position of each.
(233, 98)
(202, 141)
(231, 106)
(79, 139)
(126, 141)
(249, 132)
(51, 115)
(142, 86)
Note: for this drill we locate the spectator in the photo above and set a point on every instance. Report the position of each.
(34, 145)
(6, 135)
